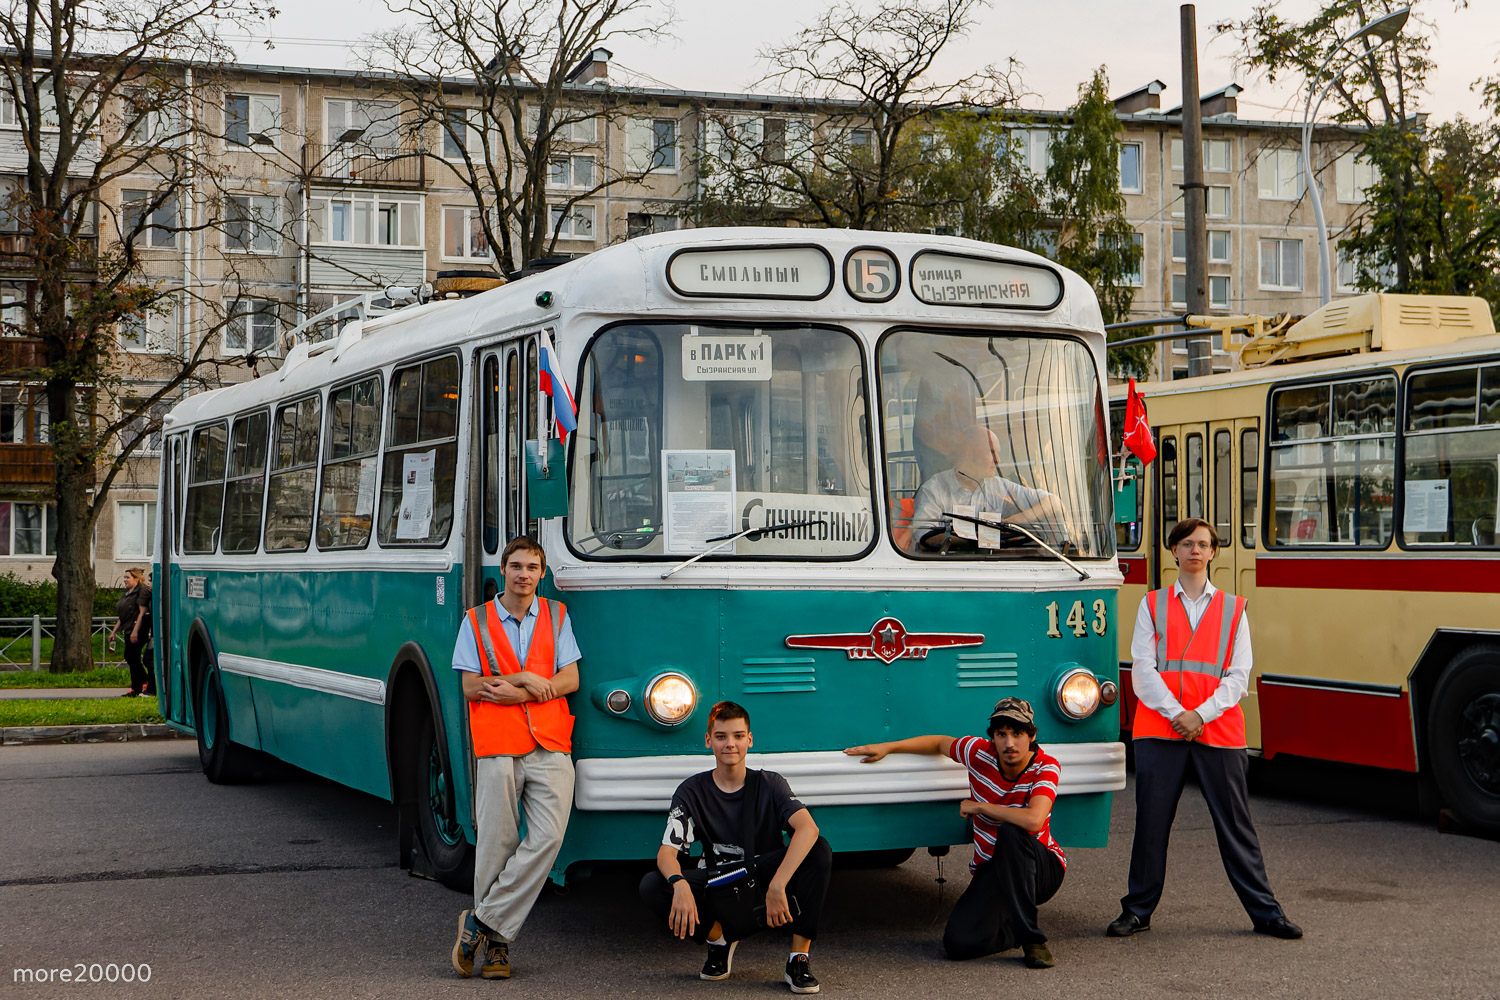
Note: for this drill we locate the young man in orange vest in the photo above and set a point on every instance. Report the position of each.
(1191, 653)
(518, 660)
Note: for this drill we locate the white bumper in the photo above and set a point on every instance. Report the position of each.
(829, 778)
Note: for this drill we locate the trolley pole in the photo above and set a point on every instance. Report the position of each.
(1194, 195)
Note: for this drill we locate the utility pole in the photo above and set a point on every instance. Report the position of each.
(1194, 194)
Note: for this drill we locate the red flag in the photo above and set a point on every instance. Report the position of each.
(1137, 428)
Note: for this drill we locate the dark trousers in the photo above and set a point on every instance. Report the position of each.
(140, 675)
(997, 911)
(809, 884)
(1161, 768)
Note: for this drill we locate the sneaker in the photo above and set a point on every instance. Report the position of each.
(1127, 924)
(1037, 956)
(132, 693)
(799, 977)
(720, 957)
(470, 939)
(496, 964)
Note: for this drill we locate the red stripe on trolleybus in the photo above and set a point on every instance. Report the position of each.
(1134, 569)
(1455, 576)
(1342, 724)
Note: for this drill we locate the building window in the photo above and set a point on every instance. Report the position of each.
(13, 316)
(1280, 172)
(360, 219)
(1130, 167)
(1218, 291)
(463, 234)
(1354, 273)
(1179, 244)
(372, 125)
(151, 119)
(23, 416)
(1281, 265)
(576, 223)
(251, 326)
(1218, 246)
(135, 530)
(27, 529)
(1179, 290)
(463, 131)
(149, 218)
(1353, 177)
(252, 119)
(643, 224)
(144, 428)
(1218, 202)
(251, 223)
(1215, 154)
(651, 144)
(571, 172)
(155, 329)
(564, 130)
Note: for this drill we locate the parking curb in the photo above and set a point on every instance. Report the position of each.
(115, 733)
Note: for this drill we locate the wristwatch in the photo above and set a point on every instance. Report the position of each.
(674, 879)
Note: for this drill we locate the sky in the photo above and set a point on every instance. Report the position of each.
(1059, 43)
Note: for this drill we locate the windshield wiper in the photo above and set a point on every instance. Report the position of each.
(727, 540)
(1018, 529)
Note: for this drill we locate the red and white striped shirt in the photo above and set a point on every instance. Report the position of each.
(988, 784)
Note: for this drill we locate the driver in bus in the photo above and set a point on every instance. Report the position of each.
(974, 481)
(518, 659)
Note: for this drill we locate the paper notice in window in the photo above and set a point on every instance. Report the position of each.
(414, 521)
(364, 502)
(1426, 506)
(985, 538)
(700, 499)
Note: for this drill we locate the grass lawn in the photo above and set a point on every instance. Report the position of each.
(98, 677)
(77, 711)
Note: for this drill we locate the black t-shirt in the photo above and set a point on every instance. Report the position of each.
(701, 812)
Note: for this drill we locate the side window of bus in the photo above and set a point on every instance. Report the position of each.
(625, 427)
(1127, 534)
(1167, 487)
(294, 476)
(1249, 485)
(205, 495)
(515, 436)
(1194, 463)
(177, 453)
(1450, 468)
(416, 484)
(490, 499)
(246, 483)
(346, 503)
(529, 390)
(1333, 463)
(1223, 485)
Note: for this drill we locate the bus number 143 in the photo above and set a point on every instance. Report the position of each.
(1078, 619)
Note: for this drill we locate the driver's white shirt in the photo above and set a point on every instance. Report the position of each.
(948, 489)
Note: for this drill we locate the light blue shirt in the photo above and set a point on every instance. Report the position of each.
(518, 631)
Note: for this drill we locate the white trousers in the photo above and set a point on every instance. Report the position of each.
(509, 872)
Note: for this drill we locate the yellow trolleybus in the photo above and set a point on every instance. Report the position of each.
(1351, 468)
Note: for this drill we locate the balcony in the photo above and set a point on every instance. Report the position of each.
(26, 465)
(20, 352)
(17, 259)
(356, 165)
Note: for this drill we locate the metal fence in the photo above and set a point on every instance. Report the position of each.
(17, 653)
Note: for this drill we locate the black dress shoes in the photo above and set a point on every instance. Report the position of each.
(1127, 924)
(1281, 927)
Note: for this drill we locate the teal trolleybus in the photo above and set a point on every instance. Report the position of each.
(759, 503)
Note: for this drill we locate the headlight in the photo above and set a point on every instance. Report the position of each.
(1078, 694)
(670, 699)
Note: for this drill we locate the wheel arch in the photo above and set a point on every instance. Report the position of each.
(1444, 645)
(199, 640)
(410, 671)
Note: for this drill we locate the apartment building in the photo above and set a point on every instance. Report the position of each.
(327, 189)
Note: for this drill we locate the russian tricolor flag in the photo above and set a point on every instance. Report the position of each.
(549, 375)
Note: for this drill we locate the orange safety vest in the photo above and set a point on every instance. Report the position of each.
(513, 730)
(1192, 661)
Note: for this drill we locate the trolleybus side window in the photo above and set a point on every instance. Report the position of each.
(416, 483)
(245, 485)
(515, 434)
(530, 393)
(1451, 472)
(490, 453)
(1127, 533)
(688, 432)
(1249, 484)
(294, 476)
(1333, 463)
(346, 503)
(205, 496)
(1223, 485)
(994, 428)
(1195, 475)
(1168, 487)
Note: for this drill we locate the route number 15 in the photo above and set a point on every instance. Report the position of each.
(871, 275)
(1078, 619)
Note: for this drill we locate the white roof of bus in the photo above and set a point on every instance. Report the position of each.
(630, 279)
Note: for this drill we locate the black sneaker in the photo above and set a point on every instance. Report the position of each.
(720, 957)
(799, 977)
(1127, 924)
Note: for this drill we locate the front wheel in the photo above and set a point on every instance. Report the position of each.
(1463, 738)
(449, 855)
(223, 761)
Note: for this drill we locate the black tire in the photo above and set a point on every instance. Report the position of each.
(449, 854)
(224, 762)
(893, 857)
(1463, 737)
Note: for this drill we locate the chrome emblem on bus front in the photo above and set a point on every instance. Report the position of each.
(886, 641)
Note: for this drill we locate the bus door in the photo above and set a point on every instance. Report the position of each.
(1203, 474)
(169, 641)
(507, 406)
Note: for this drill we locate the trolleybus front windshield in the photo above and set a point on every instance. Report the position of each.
(689, 433)
(992, 428)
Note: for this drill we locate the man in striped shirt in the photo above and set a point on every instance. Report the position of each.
(1017, 865)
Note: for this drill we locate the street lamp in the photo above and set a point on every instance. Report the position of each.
(1380, 30)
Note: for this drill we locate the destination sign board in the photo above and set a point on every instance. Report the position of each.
(783, 272)
(726, 357)
(947, 279)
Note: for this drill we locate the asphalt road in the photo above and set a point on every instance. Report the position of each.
(123, 853)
